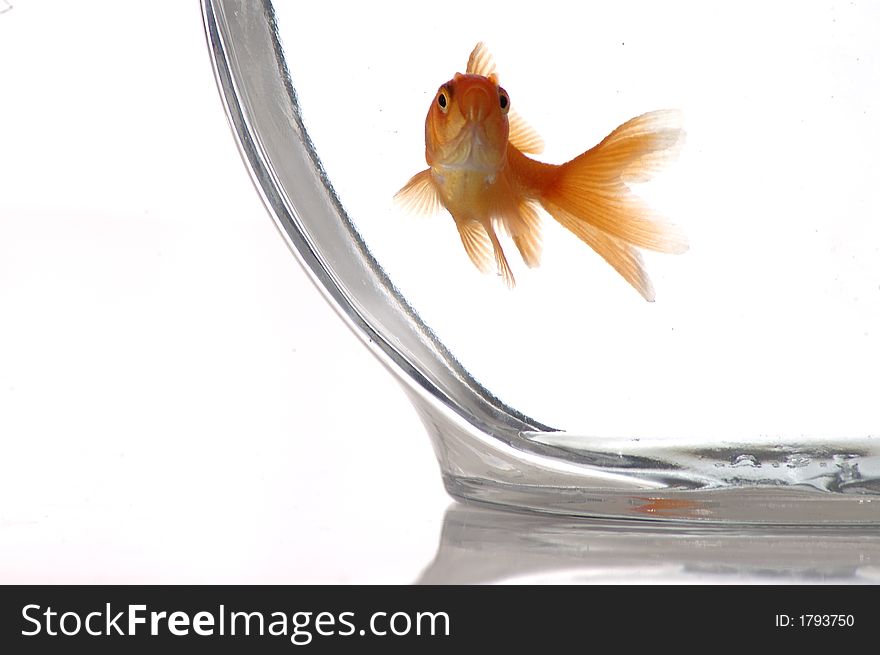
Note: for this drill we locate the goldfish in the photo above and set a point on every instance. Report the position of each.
(477, 148)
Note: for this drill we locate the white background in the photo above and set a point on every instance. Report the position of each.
(177, 402)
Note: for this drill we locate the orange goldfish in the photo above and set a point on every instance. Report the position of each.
(475, 147)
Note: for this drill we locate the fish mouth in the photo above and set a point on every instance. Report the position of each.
(476, 104)
(472, 150)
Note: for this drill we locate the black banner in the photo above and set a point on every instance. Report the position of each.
(98, 619)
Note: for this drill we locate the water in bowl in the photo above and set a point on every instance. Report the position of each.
(756, 367)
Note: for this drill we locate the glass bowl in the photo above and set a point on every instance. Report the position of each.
(747, 393)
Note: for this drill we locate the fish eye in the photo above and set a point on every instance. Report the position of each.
(443, 100)
(503, 100)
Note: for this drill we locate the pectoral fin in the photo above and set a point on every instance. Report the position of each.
(419, 195)
(523, 137)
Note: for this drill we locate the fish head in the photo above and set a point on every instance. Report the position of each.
(467, 124)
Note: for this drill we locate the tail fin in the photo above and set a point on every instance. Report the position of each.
(589, 195)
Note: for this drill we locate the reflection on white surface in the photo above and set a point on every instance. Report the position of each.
(480, 546)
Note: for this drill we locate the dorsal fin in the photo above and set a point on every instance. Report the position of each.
(481, 63)
(523, 137)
